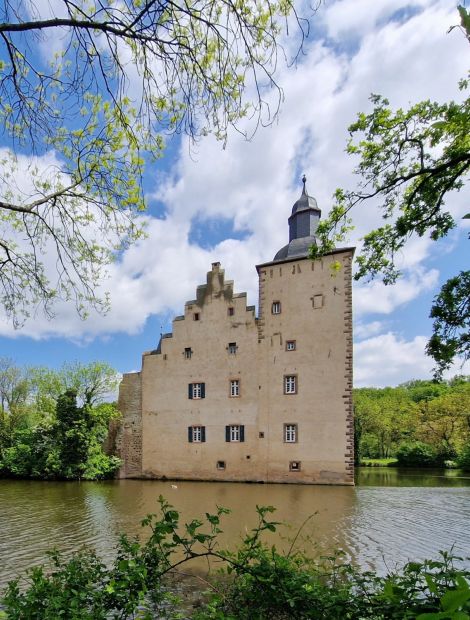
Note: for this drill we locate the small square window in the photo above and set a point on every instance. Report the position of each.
(294, 466)
(188, 353)
(317, 301)
(231, 311)
(276, 307)
(234, 388)
(196, 316)
(261, 434)
(290, 433)
(290, 384)
(232, 348)
(291, 345)
(220, 465)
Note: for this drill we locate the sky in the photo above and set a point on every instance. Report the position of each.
(230, 204)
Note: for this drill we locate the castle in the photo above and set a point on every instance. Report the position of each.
(229, 396)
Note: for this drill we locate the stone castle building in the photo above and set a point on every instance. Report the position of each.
(230, 396)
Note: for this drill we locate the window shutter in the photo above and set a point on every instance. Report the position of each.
(242, 432)
(190, 434)
(190, 390)
(227, 433)
(203, 390)
(203, 433)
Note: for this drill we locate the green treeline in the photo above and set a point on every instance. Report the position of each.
(420, 423)
(53, 423)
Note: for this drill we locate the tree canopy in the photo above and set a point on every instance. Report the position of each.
(91, 90)
(53, 423)
(411, 160)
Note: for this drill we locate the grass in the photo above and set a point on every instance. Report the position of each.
(391, 462)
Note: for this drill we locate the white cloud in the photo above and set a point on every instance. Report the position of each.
(364, 330)
(375, 297)
(388, 359)
(255, 183)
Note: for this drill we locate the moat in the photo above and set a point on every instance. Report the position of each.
(387, 518)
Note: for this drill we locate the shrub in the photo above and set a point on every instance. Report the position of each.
(417, 454)
(463, 459)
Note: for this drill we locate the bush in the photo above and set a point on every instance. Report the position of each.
(417, 454)
(463, 459)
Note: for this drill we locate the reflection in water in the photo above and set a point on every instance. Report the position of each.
(373, 523)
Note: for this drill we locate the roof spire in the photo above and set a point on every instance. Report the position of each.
(304, 181)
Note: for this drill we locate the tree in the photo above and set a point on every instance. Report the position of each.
(451, 329)
(14, 392)
(410, 159)
(444, 422)
(92, 89)
(385, 417)
(72, 434)
(14, 386)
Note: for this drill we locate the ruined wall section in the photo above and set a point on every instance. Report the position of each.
(129, 436)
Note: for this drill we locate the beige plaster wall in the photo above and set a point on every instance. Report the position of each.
(322, 361)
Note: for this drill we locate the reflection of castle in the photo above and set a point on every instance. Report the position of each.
(227, 396)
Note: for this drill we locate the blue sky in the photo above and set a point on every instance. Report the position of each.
(232, 204)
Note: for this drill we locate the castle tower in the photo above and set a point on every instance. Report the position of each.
(227, 396)
(305, 356)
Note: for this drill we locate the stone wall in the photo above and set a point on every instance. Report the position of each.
(129, 436)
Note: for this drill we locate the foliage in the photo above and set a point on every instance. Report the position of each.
(94, 89)
(433, 413)
(70, 447)
(463, 460)
(411, 160)
(257, 583)
(417, 454)
(45, 433)
(451, 329)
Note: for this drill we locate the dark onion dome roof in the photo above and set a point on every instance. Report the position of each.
(297, 248)
(305, 201)
(303, 223)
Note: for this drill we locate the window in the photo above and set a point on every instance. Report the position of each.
(231, 311)
(317, 301)
(232, 348)
(234, 388)
(290, 433)
(291, 345)
(261, 434)
(187, 353)
(276, 307)
(196, 434)
(290, 384)
(196, 316)
(220, 465)
(197, 390)
(294, 466)
(235, 432)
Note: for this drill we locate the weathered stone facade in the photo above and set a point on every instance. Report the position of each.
(228, 396)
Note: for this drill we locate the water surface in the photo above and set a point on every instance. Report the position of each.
(385, 520)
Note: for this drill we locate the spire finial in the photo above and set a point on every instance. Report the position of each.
(304, 181)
